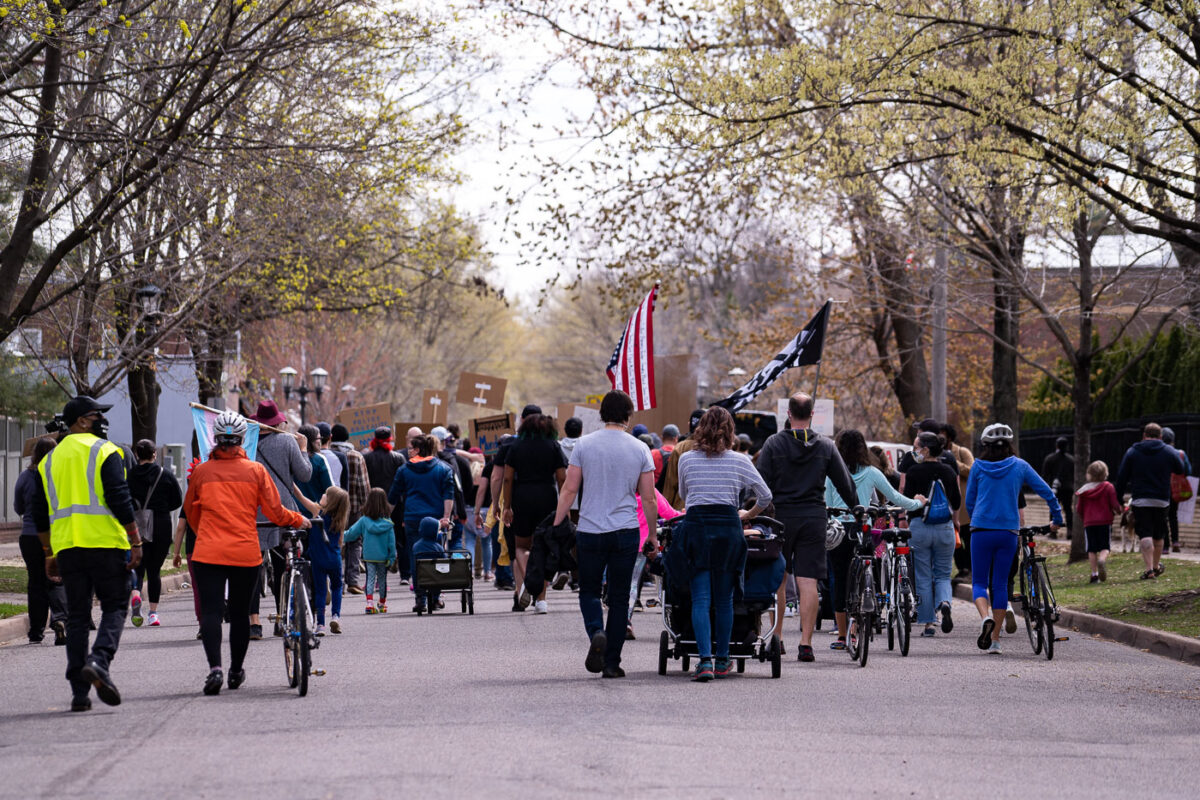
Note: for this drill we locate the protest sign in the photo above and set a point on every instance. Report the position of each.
(590, 417)
(480, 391)
(486, 432)
(822, 419)
(433, 406)
(363, 420)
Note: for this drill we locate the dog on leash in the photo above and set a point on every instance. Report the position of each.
(1130, 543)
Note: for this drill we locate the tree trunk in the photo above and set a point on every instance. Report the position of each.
(144, 392)
(1007, 331)
(1081, 397)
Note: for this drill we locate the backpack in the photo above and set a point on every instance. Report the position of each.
(665, 456)
(143, 516)
(1181, 489)
(937, 511)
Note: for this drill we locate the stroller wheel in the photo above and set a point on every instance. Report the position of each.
(664, 650)
(741, 665)
(687, 662)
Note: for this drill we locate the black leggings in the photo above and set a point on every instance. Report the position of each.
(149, 572)
(839, 579)
(210, 583)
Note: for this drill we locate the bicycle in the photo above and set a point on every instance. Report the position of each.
(899, 599)
(1037, 595)
(862, 604)
(296, 618)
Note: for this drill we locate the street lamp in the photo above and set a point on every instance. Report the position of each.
(149, 299)
(349, 389)
(318, 377)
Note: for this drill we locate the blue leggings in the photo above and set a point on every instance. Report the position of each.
(992, 554)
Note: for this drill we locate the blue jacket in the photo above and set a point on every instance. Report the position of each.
(423, 487)
(992, 491)
(324, 546)
(378, 537)
(1145, 471)
(427, 543)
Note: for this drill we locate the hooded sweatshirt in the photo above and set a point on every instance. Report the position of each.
(427, 543)
(422, 486)
(867, 482)
(1145, 473)
(378, 537)
(795, 464)
(1097, 503)
(993, 489)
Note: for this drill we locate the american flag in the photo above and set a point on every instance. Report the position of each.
(631, 368)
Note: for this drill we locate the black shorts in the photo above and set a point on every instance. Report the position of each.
(1150, 522)
(804, 546)
(1098, 537)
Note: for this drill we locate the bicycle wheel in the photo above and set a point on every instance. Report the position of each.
(291, 654)
(1047, 613)
(904, 616)
(869, 618)
(303, 641)
(891, 629)
(1032, 628)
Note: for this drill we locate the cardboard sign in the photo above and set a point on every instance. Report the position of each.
(434, 406)
(822, 420)
(400, 431)
(480, 391)
(590, 417)
(362, 422)
(486, 432)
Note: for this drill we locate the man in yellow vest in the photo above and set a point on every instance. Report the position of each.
(84, 517)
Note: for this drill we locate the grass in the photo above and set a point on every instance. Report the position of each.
(1170, 603)
(12, 610)
(13, 579)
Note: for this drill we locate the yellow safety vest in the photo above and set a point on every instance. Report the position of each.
(79, 517)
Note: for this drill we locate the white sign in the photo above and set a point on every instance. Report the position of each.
(590, 417)
(1187, 509)
(822, 421)
(781, 412)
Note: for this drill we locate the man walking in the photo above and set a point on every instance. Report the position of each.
(616, 468)
(84, 517)
(1058, 470)
(795, 463)
(1145, 473)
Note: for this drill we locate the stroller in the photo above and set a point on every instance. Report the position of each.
(750, 639)
(445, 573)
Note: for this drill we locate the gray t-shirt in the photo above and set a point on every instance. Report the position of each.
(612, 462)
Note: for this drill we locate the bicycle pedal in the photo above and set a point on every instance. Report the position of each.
(272, 618)
(1062, 638)
(317, 672)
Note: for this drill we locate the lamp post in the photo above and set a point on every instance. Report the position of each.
(349, 389)
(318, 377)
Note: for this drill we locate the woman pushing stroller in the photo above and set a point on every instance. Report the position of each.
(712, 479)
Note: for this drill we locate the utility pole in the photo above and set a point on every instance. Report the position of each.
(938, 382)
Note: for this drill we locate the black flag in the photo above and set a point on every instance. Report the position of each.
(804, 349)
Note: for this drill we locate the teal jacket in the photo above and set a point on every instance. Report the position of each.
(378, 537)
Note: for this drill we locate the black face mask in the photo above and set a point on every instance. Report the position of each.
(100, 426)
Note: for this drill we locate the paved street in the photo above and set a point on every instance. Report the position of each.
(498, 705)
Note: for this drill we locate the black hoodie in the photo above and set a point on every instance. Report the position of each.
(794, 465)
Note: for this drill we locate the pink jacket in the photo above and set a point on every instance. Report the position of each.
(665, 511)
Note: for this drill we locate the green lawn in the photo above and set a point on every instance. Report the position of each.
(13, 579)
(12, 610)
(1169, 603)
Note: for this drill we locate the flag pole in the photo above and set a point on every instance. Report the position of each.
(218, 411)
(824, 326)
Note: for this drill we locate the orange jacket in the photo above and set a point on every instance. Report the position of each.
(223, 498)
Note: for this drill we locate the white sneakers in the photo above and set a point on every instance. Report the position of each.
(540, 607)
(1010, 620)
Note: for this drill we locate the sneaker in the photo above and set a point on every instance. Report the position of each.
(994, 649)
(595, 656)
(806, 654)
(1010, 620)
(200, 633)
(637, 606)
(152, 620)
(355, 590)
(722, 668)
(540, 607)
(489, 576)
(60, 632)
(335, 625)
(419, 608)
(652, 602)
(612, 672)
(382, 609)
(405, 582)
(81, 703)
(320, 631)
(947, 620)
(928, 632)
(838, 644)
(517, 606)
(370, 609)
(985, 633)
(790, 610)
(1103, 570)
(34, 639)
(255, 632)
(524, 598)
(98, 676)
(135, 610)
(560, 581)
(212, 683)
(704, 671)
(1095, 578)
(441, 603)
(236, 678)
(629, 637)
(1175, 548)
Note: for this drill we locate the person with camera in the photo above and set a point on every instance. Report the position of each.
(84, 517)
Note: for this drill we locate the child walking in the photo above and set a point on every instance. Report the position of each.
(325, 552)
(1096, 502)
(379, 546)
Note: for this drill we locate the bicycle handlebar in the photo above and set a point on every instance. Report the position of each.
(1037, 530)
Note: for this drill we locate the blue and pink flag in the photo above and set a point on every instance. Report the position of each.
(202, 420)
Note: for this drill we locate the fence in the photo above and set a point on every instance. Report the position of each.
(12, 439)
(1110, 440)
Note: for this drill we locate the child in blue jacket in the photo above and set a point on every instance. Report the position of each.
(324, 551)
(427, 544)
(379, 546)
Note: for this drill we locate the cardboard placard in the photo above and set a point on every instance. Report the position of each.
(434, 404)
(486, 432)
(480, 391)
(675, 384)
(590, 417)
(400, 431)
(363, 420)
(822, 420)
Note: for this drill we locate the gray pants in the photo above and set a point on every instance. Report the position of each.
(352, 559)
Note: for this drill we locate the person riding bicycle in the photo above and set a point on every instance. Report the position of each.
(222, 503)
(996, 481)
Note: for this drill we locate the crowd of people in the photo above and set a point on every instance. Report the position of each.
(97, 526)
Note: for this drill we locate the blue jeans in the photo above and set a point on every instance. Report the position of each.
(377, 580)
(470, 536)
(613, 552)
(332, 575)
(992, 554)
(933, 557)
(712, 590)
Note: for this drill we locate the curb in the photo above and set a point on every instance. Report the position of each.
(1160, 643)
(16, 629)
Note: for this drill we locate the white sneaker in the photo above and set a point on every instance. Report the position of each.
(335, 625)
(1010, 620)
(994, 649)
(540, 607)
(320, 631)
(789, 610)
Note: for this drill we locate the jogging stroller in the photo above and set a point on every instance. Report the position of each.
(756, 596)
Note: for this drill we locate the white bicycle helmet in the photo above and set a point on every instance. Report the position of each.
(229, 428)
(835, 534)
(996, 432)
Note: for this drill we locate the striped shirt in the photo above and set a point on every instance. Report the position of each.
(720, 480)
